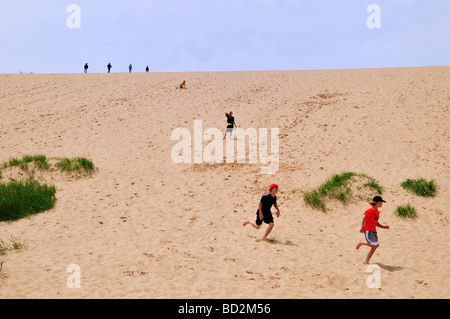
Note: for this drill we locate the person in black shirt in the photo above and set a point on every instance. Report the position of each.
(264, 214)
(230, 124)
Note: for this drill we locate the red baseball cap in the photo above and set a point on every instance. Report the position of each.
(273, 186)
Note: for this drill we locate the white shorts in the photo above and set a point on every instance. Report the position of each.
(371, 238)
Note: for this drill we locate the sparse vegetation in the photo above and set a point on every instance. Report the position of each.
(343, 187)
(19, 199)
(16, 244)
(406, 211)
(39, 160)
(77, 164)
(420, 187)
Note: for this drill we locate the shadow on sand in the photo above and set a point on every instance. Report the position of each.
(390, 268)
(276, 241)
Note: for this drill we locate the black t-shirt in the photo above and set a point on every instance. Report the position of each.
(230, 121)
(267, 201)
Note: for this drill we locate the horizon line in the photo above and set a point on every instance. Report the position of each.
(218, 71)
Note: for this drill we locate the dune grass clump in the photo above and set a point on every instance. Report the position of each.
(420, 187)
(406, 211)
(20, 199)
(39, 160)
(343, 187)
(77, 164)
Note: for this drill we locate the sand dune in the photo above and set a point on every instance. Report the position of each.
(145, 227)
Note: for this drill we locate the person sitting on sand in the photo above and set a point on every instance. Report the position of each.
(264, 214)
(182, 85)
(369, 227)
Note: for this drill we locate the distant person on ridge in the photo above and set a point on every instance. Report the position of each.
(130, 67)
(109, 67)
(86, 68)
(147, 69)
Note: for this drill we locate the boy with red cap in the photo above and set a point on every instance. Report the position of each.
(264, 214)
(369, 226)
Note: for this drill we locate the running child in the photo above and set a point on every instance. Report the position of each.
(369, 227)
(264, 214)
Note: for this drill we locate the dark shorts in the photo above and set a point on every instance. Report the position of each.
(268, 218)
(371, 238)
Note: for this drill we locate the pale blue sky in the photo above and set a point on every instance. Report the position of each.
(221, 35)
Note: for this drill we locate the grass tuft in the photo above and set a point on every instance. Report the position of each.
(16, 244)
(314, 199)
(406, 211)
(39, 160)
(3, 247)
(68, 165)
(77, 164)
(420, 187)
(341, 187)
(19, 199)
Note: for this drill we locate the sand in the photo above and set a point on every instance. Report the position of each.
(143, 226)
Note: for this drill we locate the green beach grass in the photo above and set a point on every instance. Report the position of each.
(16, 244)
(406, 211)
(420, 187)
(22, 198)
(78, 165)
(19, 199)
(343, 187)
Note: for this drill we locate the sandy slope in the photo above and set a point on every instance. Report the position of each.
(145, 227)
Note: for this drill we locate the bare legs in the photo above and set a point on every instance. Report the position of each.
(371, 252)
(269, 229)
(253, 224)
